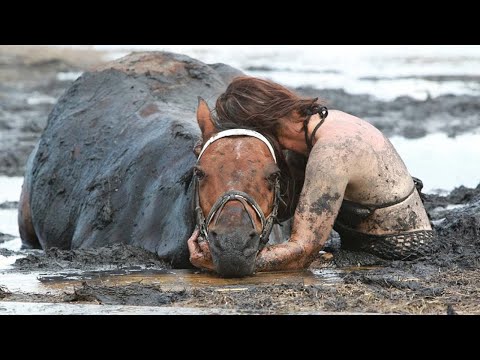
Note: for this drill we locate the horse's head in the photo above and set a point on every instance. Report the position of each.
(236, 196)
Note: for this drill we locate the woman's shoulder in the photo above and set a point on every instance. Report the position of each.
(346, 131)
(348, 145)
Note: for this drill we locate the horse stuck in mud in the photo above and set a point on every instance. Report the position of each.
(116, 164)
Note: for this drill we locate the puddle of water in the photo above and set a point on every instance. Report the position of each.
(13, 245)
(24, 282)
(8, 222)
(440, 211)
(10, 188)
(384, 89)
(24, 308)
(21, 308)
(442, 162)
(187, 279)
(9, 225)
(438, 222)
(174, 280)
(340, 66)
(455, 206)
(57, 284)
(68, 76)
(37, 99)
(6, 262)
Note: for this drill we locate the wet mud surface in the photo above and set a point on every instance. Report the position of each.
(446, 282)
(119, 256)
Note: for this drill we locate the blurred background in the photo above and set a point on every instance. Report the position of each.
(424, 98)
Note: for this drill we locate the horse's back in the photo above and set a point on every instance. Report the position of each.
(113, 164)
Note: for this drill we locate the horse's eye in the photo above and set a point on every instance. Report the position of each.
(199, 173)
(273, 177)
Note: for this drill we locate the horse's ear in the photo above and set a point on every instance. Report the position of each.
(204, 119)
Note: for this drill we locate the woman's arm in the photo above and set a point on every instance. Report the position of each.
(325, 182)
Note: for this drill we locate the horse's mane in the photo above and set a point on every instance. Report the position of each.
(289, 186)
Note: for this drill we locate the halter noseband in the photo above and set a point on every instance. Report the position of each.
(245, 199)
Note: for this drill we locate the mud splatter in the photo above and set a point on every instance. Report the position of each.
(324, 203)
(447, 282)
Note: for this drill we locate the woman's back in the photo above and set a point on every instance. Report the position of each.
(377, 174)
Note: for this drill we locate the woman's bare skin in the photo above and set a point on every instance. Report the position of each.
(350, 160)
(350, 163)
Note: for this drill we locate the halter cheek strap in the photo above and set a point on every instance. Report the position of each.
(245, 199)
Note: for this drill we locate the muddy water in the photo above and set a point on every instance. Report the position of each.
(170, 280)
(20, 308)
(184, 279)
(427, 158)
(34, 284)
(442, 162)
(10, 188)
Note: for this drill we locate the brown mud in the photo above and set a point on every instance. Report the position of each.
(362, 283)
(446, 282)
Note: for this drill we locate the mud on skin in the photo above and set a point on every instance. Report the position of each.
(447, 280)
(115, 191)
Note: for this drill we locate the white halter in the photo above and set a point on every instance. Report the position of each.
(238, 132)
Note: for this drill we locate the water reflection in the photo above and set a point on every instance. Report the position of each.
(10, 188)
(38, 282)
(178, 279)
(442, 162)
(21, 308)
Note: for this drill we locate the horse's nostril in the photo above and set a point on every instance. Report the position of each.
(213, 233)
(252, 234)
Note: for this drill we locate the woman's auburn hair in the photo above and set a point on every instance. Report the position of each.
(259, 104)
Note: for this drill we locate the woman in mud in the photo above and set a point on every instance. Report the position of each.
(355, 181)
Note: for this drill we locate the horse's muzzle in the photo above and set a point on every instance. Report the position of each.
(234, 252)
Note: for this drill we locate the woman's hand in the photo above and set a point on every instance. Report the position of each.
(200, 256)
(287, 256)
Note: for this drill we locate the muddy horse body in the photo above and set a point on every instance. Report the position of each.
(114, 163)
